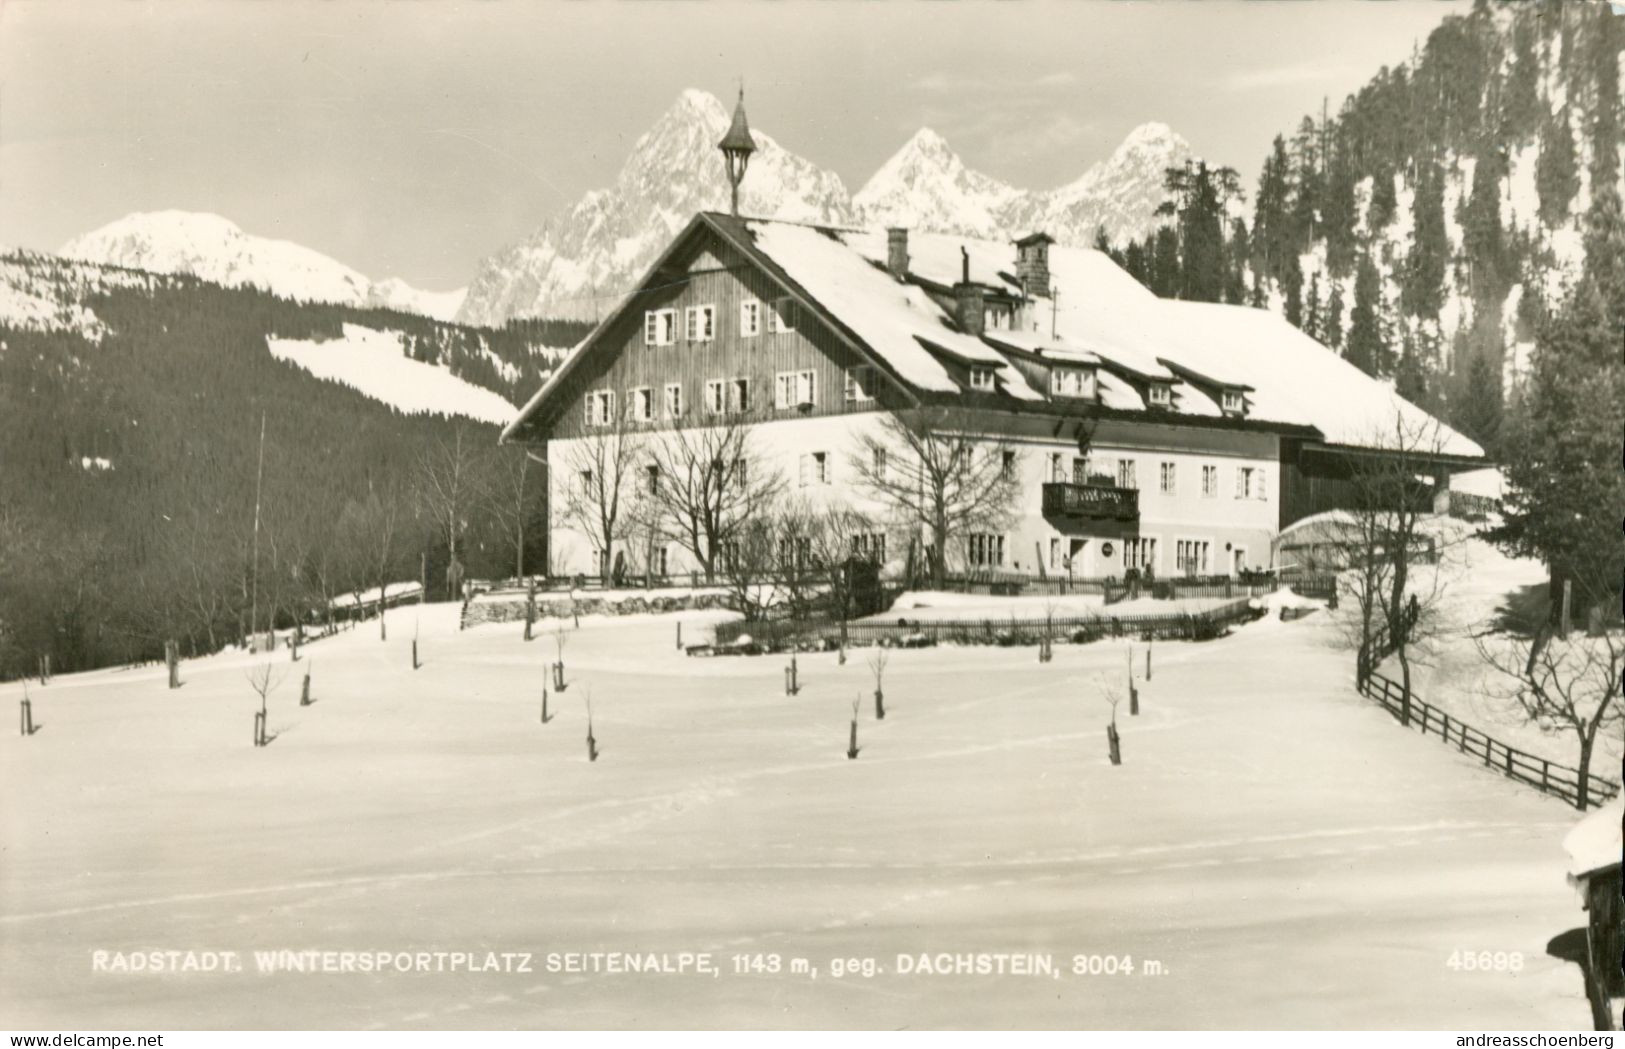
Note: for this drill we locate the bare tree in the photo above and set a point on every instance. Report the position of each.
(937, 478)
(1384, 539)
(264, 680)
(747, 564)
(513, 500)
(708, 481)
(450, 482)
(1567, 683)
(594, 481)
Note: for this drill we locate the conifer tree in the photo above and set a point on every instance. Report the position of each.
(1366, 349)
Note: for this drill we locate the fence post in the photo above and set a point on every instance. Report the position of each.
(172, 657)
(26, 717)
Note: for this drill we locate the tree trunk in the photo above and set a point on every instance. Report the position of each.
(383, 630)
(1582, 793)
(1405, 683)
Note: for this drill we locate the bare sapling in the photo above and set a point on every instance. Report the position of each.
(304, 688)
(26, 713)
(852, 734)
(1148, 639)
(592, 742)
(560, 636)
(1114, 746)
(530, 608)
(1133, 693)
(263, 680)
(545, 716)
(877, 665)
(791, 686)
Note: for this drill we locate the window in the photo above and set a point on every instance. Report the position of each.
(795, 551)
(981, 378)
(1167, 479)
(674, 400)
(729, 549)
(1057, 467)
(1055, 552)
(741, 471)
(702, 323)
(870, 546)
(1161, 395)
(878, 464)
(586, 483)
(1125, 474)
(640, 404)
(815, 468)
(1140, 552)
(860, 383)
(1210, 481)
(739, 395)
(1007, 465)
(1081, 469)
(984, 550)
(715, 403)
(659, 327)
(662, 561)
(783, 317)
(1250, 483)
(1234, 402)
(600, 407)
(793, 389)
(996, 318)
(651, 478)
(750, 318)
(1072, 382)
(1191, 556)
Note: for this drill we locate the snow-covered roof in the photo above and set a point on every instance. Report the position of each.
(1098, 315)
(1594, 843)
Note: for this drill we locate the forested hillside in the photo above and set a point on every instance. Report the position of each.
(1428, 224)
(130, 415)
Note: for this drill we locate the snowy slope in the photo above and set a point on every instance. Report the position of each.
(581, 259)
(375, 363)
(215, 249)
(1260, 804)
(394, 293)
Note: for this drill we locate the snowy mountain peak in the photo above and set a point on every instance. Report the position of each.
(925, 185)
(579, 263)
(216, 249)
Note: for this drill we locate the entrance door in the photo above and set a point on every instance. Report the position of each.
(1239, 561)
(1074, 557)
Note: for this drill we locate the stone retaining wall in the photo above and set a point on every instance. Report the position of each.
(509, 607)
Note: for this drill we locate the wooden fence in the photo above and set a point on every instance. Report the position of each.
(1546, 776)
(1196, 626)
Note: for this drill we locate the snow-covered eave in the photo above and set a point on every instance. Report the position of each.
(1428, 457)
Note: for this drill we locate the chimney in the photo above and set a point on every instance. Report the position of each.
(970, 300)
(1032, 263)
(897, 251)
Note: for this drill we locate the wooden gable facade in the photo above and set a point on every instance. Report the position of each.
(632, 352)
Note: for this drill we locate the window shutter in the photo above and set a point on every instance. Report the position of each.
(648, 327)
(1263, 489)
(1241, 483)
(804, 467)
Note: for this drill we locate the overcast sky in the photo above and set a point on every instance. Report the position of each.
(412, 139)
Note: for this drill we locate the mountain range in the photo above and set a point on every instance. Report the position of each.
(214, 249)
(581, 259)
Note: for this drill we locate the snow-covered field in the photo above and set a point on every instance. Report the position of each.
(1450, 672)
(1285, 854)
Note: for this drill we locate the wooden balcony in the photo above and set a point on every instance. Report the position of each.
(1091, 502)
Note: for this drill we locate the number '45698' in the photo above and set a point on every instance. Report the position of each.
(1485, 961)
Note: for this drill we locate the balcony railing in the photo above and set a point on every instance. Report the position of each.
(1094, 502)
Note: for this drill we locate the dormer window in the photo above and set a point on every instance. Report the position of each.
(1160, 395)
(1233, 403)
(981, 378)
(1072, 382)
